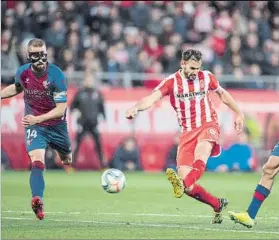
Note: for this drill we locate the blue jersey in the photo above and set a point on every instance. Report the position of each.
(41, 93)
(275, 151)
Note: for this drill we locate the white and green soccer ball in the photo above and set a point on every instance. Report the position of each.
(113, 180)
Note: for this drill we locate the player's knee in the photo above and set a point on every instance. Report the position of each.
(37, 162)
(203, 150)
(36, 158)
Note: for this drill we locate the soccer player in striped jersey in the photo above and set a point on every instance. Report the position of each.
(45, 97)
(269, 171)
(188, 90)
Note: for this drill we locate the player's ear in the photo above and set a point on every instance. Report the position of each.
(28, 56)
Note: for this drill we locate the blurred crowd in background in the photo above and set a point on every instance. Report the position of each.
(235, 37)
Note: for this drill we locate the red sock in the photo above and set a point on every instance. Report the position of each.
(195, 174)
(200, 194)
(38, 164)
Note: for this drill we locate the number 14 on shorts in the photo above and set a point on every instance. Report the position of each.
(30, 135)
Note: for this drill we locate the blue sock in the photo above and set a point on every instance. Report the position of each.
(261, 193)
(37, 182)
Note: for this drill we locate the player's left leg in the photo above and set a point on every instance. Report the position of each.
(60, 141)
(262, 191)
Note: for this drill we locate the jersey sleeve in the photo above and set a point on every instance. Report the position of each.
(213, 82)
(164, 86)
(20, 70)
(60, 86)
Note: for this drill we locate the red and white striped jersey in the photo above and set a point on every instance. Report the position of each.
(190, 98)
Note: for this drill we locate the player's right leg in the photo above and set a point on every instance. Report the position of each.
(269, 171)
(35, 146)
(37, 183)
(96, 136)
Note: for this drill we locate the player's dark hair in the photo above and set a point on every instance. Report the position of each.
(35, 42)
(193, 54)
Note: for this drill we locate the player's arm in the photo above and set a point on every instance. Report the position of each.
(163, 89)
(149, 100)
(228, 100)
(16, 88)
(11, 90)
(57, 112)
(144, 104)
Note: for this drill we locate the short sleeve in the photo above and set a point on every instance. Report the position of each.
(60, 86)
(19, 72)
(164, 87)
(213, 82)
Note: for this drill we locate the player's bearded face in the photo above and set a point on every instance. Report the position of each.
(191, 68)
(38, 58)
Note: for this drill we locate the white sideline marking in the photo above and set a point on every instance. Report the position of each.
(30, 212)
(148, 225)
(135, 214)
(171, 215)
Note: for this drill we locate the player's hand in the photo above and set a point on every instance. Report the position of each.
(131, 113)
(30, 120)
(239, 123)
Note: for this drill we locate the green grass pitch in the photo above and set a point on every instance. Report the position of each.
(77, 208)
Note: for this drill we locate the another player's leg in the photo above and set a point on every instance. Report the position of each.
(78, 141)
(96, 135)
(270, 169)
(37, 183)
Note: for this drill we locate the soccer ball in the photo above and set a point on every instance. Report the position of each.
(113, 180)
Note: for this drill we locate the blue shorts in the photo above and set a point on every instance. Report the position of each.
(275, 151)
(56, 136)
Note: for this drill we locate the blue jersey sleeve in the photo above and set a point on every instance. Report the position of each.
(60, 85)
(20, 70)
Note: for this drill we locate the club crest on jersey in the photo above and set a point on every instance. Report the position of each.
(46, 84)
(212, 131)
